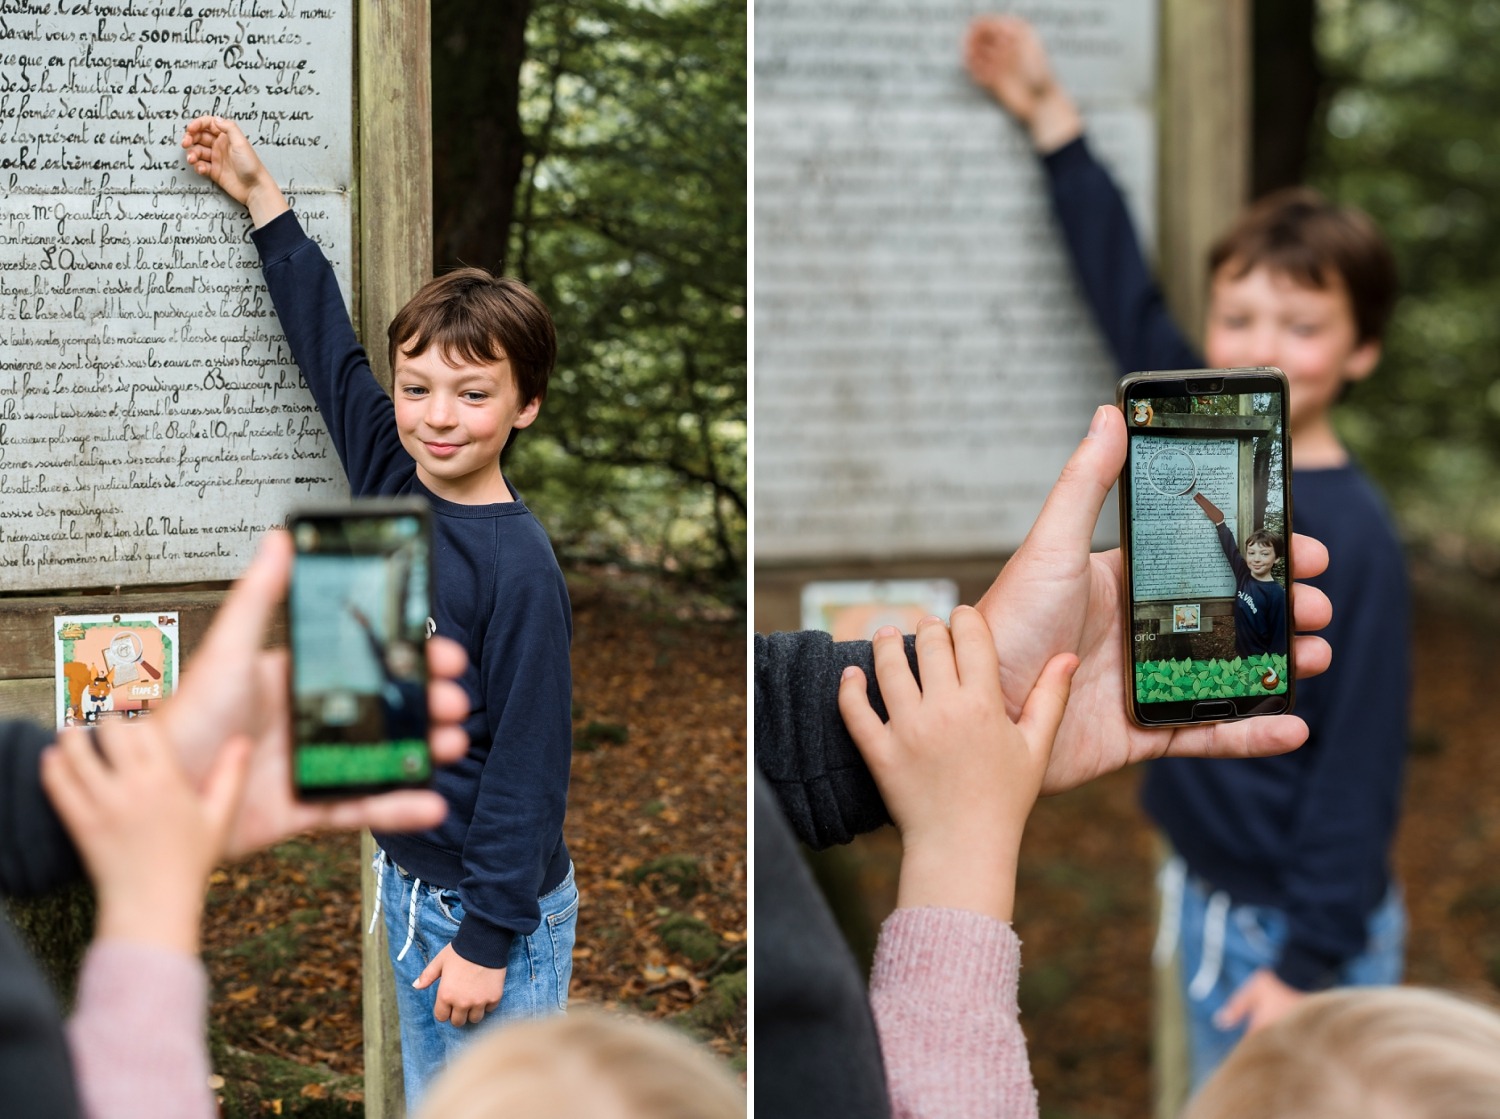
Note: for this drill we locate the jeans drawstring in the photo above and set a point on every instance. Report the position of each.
(411, 919)
(1215, 926)
(378, 865)
(1171, 880)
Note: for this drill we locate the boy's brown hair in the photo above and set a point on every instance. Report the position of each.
(470, 314)
(1300, 234)
(1270, 539)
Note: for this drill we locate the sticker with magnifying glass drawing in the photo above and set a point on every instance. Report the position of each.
(113, 666)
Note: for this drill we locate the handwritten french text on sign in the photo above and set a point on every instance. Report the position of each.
(924, 364)
(1175, 552)
(152, 422)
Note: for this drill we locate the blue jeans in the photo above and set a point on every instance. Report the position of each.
(1253, 937)
(536, 973)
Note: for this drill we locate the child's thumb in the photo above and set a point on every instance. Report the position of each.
(1043, 712)
(429, 973)
(854, 705)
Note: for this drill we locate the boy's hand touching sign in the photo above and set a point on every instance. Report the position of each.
(218, 150)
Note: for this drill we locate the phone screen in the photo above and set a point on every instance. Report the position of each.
(357, 620)
(1206, 515)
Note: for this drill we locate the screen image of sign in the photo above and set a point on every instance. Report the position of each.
(1209, 586)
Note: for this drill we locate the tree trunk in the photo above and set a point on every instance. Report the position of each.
(477, 143)
(1288, 86)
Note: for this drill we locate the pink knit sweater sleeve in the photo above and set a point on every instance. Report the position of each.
(944, 996)
(138, 1036)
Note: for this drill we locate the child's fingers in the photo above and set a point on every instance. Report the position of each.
(86, 756)
(1043, 712)
(70, 800)
(974, 649)
(934, 657)
(892, 672)
(863, 724)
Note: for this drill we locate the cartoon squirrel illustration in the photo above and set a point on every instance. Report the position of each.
(89, 691)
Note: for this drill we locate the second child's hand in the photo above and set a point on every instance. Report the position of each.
(219, 151)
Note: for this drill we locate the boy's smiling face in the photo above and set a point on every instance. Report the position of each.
(454, 419)
(1260, 558)
(1268, 318)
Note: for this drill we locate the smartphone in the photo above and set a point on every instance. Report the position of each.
(1205, 522)
(357, 618)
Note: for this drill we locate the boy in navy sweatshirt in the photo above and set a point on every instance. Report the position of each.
(481, 911)
(1284, 863)
(1259, 600)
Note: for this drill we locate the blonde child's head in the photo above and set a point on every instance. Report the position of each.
(585, 1065)
(1365, 1053)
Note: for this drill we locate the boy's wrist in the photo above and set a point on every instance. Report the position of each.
(265, 201)
(1055, 121)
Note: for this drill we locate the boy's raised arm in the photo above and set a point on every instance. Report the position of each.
(218, 150)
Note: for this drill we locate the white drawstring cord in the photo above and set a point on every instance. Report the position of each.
(377, 864)
(411, 920)
(1170, 880)
(1215, 924)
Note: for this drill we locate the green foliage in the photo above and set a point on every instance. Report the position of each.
(1165, 681)
(631, 225)
(690, 936)
(1410, 134)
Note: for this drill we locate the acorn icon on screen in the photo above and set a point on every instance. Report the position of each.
(1270, 679)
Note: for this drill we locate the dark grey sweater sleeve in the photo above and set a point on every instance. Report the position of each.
(36, 854)
(801, 747)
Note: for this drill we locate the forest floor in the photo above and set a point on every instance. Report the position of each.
(1086, 904)
(656, 828)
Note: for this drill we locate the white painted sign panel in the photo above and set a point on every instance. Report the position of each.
(923, 362)
(152, 423)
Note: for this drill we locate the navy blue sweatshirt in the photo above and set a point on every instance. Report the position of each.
(1309, 832)
(497, 591)
(1259, 604)
(36, 855)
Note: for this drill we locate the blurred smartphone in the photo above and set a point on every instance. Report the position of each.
(1205, 522)
(357, 623)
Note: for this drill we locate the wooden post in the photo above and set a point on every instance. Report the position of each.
(1204, 134)
(394, 204)
(1204, 177)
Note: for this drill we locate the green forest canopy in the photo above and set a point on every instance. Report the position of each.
(630, 221)
(1409, 132)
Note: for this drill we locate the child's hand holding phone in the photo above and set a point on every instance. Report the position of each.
(958, 777)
